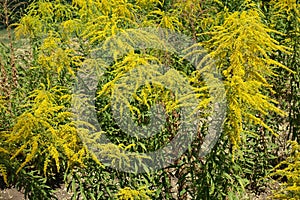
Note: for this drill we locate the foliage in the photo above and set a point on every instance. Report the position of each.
(12, 11)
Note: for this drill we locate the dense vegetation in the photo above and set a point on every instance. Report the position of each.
(220, 78)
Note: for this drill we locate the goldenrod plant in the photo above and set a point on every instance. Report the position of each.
(285, 17)
(128, 193)
(45, 143)
(45, 128)
(242, 47)
(289, 169)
